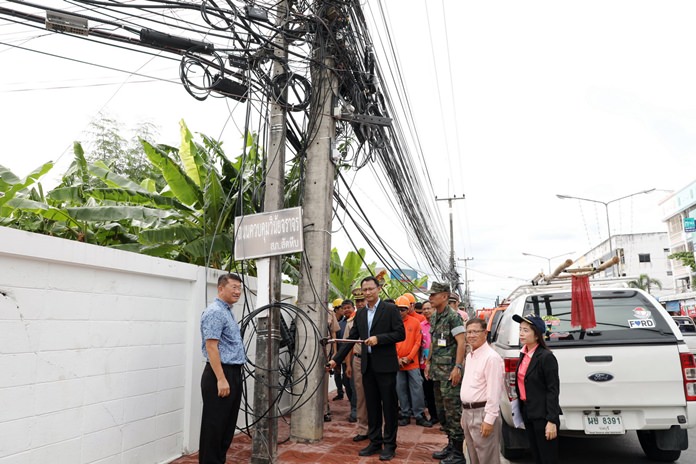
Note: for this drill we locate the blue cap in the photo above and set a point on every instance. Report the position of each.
(533, 320)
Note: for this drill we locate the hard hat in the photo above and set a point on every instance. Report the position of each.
(402, 302)
(409, 297)
(337, 302)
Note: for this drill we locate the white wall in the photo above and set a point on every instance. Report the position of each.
(100, 352)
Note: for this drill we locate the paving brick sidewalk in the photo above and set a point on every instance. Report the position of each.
(415, 444)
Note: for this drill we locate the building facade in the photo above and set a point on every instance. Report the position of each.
(644, 253)
(679, 213)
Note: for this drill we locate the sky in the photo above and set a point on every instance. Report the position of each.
(515, 102)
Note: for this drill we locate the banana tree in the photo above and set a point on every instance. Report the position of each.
(393, 288)
(190, 219)
(345, 276)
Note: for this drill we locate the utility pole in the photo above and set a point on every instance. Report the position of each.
(307, 423)
(467, 295)
(453, 267)
(264, 445)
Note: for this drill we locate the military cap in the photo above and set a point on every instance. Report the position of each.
(358, 294)
(438, 287)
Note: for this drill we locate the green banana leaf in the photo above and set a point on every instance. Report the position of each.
(35, 207)
(185, 190)
(116, 213)
(201, 247)
(193, 165)
(7, 179)
(101, 170)
(138, 197)
(169, 234)
(17, 187)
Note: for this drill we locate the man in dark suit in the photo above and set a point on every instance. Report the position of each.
(380, 327)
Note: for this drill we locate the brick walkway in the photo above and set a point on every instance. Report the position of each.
(415, 444)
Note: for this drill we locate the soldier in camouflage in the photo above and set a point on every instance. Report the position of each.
(445, 368)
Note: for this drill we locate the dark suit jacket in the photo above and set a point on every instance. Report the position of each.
(542, 386)
(388, 327)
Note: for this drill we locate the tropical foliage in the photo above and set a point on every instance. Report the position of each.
(346, 276)
(645, 282)
(686, 258)
(175, 203)
(394, 288)
(190, 218)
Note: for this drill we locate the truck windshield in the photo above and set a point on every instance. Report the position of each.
(621, 315)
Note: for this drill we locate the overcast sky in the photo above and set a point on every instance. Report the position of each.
(521, 101)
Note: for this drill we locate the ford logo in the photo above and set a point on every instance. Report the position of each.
(600, 377)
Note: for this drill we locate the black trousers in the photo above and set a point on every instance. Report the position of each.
(346, 383)
(544, 451)
(429, 393)
(219, 414)
(381, 401)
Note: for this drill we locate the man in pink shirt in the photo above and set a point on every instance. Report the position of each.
(482, 387)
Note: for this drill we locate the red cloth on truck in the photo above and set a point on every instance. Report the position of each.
(582, 312)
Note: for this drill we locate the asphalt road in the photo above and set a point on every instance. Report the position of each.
(624, 449)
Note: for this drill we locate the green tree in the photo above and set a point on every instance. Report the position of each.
(645, 282)
(122, 156)
(346, 275)
(687, 259)
(394, 288)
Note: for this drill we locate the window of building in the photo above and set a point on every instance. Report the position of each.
(669, 273)
(675, 224)
(643, 257)
(666, 250)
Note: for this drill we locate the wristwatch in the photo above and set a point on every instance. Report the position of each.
(461, 368)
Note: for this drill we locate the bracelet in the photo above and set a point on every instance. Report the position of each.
(459, 366)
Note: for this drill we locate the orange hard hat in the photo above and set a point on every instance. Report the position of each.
(402, 302)
(410, 297)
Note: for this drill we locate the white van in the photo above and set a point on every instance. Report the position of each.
(631, 372)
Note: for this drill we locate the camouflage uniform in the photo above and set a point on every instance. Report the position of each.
(445, 326)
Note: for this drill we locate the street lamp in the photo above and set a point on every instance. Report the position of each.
(606, 209)
(548, 259)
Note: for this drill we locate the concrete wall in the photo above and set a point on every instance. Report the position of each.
(100, 352)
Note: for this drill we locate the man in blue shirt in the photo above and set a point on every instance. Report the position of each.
(221, 383)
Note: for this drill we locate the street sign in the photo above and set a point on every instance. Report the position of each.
(268, 234)
(689, 224)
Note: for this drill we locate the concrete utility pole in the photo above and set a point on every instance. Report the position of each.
(467, 295)
(453, 265)
(308, 420)
(264, 446)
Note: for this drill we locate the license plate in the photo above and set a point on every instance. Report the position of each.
(604, 424)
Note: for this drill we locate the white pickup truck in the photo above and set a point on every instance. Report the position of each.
(631, 372)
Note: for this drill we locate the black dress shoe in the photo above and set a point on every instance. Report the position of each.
(359, 437)
(423, 422)
(338, 397)
(404, 422)
(370, 449)
(387, 455)
(352, 419)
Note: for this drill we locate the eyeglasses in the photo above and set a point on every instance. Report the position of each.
(402, 308)
(474, 332)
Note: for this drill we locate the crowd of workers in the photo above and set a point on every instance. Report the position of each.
(398, 360)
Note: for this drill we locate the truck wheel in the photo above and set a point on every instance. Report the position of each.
(507, 439)
(648, 441)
